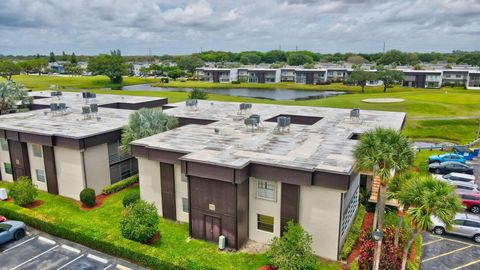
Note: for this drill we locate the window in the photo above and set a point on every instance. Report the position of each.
(40, 175)
(4, 144)
(8, 168)
(185, 205)
(266, 190)
(5, 227)
(265, 223)
(37, 150)
(458, 222)
(470, 223)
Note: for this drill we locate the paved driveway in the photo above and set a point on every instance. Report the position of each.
(42, 251)
(449, 252)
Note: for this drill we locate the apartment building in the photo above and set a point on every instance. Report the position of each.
(258, 75)
(473, 80)
(454, 77)
(247, 181)
(69, 142)
(337, 74)
(217, 75)
(287, 74)
(422, 78)
(310, 76)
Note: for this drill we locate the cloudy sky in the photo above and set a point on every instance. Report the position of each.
(180, 26)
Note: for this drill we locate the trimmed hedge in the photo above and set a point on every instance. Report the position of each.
(353, 234)
(120, 185)
(42, 223)
(130, 198)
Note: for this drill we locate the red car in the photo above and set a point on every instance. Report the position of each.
(2, 219)
(471, 201)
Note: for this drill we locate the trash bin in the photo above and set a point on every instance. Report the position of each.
(3, 194)
(221, 242)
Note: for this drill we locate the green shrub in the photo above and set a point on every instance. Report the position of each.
(198, 94)
(353, 234)
(46, 224)
(120, 185)
(140, 221)
(235, 82)
(354, 265)
(130, 198)
(23, 192)
(87, 197)
(293, 250)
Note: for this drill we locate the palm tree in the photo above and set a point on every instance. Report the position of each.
(385, 151)
(146, 122)
(396, 191)
(431, 198)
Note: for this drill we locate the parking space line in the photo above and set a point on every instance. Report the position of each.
(46, 240)
(19, 244)
(465, 265)
(71, 249)
(461, 242)
(27, 261)
(70, 262)
(431, 242)
(98, 259)
(447, 253)
(110, 265)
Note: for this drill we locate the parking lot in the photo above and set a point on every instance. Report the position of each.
(449, 252)
(41, 251)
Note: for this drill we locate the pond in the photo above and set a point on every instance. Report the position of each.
(272, 94)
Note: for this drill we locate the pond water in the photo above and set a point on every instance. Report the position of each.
(272, 94)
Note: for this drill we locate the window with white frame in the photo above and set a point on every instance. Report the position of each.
(4, 144)
(37, 150)
(267, 190)
(40, 175)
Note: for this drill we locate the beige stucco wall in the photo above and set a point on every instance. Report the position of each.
(181, 191)
(149, 179)
(70, 175)
(319, 215)
(263, 207)
(36, 163)
(5, 157)
(97, 167)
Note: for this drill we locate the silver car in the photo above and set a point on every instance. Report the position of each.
(464, 224)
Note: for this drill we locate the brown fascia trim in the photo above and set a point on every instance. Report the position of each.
(238, 176)
(135, 106)
(46, 140)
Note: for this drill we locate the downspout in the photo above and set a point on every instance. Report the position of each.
(82, 152)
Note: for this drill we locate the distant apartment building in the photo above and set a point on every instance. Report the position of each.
(287, 74)
(473, 80)
(454, 77)
(310, 76)
(337, 74)
(67, 143)
(216, 75)
(258, 75)
(422, 78)
(247, 181)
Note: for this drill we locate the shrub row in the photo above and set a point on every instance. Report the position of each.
(353, 234)
(40, 222)
(120, 185)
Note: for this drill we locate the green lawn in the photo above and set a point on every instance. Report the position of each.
(80, 82)
(174, 246)
(419, 103)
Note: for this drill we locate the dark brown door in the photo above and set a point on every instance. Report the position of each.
(212, 228)
(216, 76)
(168, 191)
(19, 158)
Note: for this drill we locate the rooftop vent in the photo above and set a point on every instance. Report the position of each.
(191, 103)
(283, 124)
(244, 107)
(86, 112)
(296, 119)
(94, 108)
(355, 136)
(355, 113)
(252, 121)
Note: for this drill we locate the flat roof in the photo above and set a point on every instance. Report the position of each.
(71, 124)
(324, 145)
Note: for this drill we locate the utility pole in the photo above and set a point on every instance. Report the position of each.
(383, 47)
(296, 47)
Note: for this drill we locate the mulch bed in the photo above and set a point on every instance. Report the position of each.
(32, 205)
(99, 199)
(366, 225)
(267, 267)
(153, 239)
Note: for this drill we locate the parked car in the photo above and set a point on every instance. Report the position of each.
(446, 157)
(471, 201)
(2, 219)
(464, 224)
(463, 177)
(448, 167)
(464, 187)
(11, 230)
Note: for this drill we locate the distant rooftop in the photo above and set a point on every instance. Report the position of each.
(72, 124)
(323, 144)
